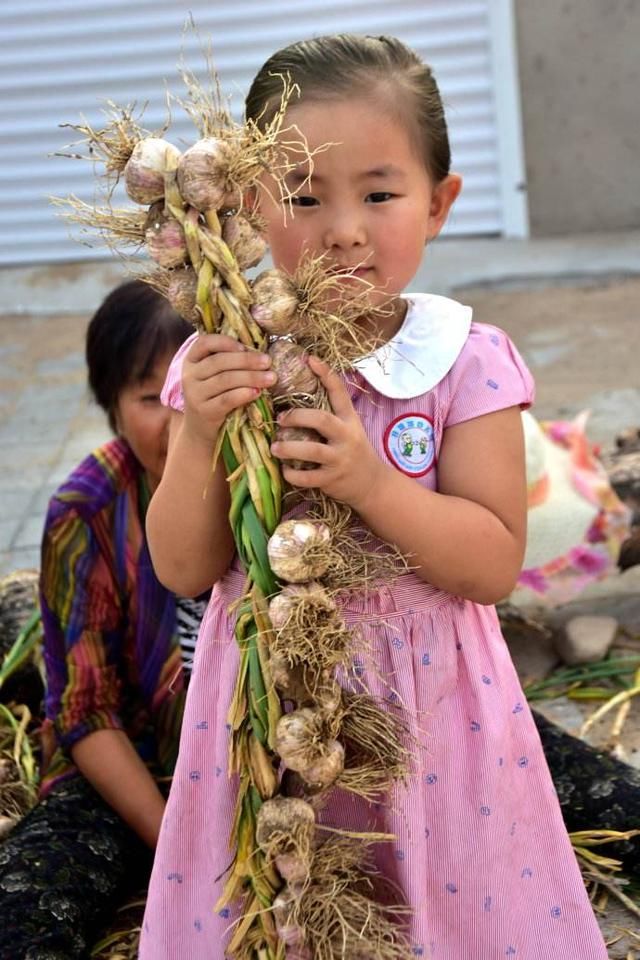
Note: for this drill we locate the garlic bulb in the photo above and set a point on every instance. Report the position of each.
(283, 821)
(287, 929)
(203, 172)
(284, 603)
(165, 238)
(327, 768)
(300, 747)
(285, 677)
(299, 550)
(328, 695)
(292, 869)
(275, 302)
(297, 738)
(244, 241)
(299, 433)
(289, 363)
(181, 294)
(145, 169)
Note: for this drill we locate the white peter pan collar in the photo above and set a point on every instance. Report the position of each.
(422, 352)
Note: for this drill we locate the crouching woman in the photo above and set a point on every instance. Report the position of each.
(112, 647)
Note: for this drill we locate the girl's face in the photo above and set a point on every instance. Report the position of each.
(369, 204)
(143, 422)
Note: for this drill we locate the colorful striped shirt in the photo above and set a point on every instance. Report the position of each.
(111, 651)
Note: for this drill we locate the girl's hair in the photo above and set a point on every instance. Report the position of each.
(129, 332)
(346, 65)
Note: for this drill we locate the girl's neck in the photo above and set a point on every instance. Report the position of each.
(385, 323)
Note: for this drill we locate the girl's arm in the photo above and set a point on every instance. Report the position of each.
(189, 537)
(468, 538)
(110, 763)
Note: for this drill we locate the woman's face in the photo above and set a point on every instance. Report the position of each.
(143, 422)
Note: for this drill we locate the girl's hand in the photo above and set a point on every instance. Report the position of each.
(219, 375)
(348, 466)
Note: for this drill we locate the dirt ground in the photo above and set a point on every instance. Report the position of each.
(580, 338)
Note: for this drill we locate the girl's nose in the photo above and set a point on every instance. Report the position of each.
(344, 231)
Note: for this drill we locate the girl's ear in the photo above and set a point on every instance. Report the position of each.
(443, 198)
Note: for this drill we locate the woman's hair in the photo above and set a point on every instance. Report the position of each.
(347, 65)
(130, 331)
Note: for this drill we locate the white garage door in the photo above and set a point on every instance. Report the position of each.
(62, 59)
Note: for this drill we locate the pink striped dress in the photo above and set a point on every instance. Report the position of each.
(481, 853)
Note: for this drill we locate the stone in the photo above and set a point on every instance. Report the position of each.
(630, 551)
(586, 639)
(534, 656)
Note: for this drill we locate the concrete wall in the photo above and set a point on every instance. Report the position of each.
(579, 63)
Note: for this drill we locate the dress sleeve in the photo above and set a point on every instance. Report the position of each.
(171, 395)
(82, 620)
(488, 375)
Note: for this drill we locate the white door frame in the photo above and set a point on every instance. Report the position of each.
(506, 83)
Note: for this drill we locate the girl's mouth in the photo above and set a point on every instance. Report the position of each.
(346, 273)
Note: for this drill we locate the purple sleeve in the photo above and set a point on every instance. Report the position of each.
(488, 375)
(171, 395)
(82, 623)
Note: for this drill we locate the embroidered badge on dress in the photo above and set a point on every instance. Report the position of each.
(409, 442)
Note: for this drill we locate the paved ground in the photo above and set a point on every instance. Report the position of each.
(571, 304)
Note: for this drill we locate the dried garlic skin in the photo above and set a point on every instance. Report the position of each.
(275, 302)
(144, 173)
(295, 550)
(326, 770)
(295, 376)
(165, 239)
(299, 433)
(283, 604)
(181, 294)
(280, 815)
(244, 241)
(202, 175)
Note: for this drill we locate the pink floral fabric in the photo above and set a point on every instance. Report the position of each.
(564, 577)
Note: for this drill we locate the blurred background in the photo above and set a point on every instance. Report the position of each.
(545, 240)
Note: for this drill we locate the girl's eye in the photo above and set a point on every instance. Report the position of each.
(150, 399)
(380, 197)
(304, 201)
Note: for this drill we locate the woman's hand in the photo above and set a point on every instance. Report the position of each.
(348, 466)
(219, 374)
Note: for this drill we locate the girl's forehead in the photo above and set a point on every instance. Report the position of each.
(349, 122)
(318, 111)
(354, 133)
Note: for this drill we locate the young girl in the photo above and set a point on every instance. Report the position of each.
(430, 456)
